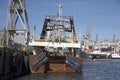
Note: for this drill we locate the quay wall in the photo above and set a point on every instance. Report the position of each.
(13, 63)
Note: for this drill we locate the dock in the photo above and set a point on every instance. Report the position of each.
(13, 63)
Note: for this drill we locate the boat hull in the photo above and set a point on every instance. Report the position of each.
(55, 64)
(115, 56)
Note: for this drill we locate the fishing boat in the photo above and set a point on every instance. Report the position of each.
(58, 46)
(102, 53)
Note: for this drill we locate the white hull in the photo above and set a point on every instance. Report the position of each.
(100, 53)
(115, 55)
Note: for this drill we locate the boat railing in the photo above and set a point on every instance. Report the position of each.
(48, 39)
(54, 16)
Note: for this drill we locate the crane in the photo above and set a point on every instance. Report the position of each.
(17, 11)
(89, 28)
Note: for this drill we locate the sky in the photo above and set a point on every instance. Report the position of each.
(107, 21)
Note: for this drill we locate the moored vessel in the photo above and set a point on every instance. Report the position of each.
(103, 53)
(58, 46)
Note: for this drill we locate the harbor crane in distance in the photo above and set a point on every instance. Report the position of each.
(17, 11)
(89, 28)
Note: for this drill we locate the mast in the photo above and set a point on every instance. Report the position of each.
(60, 11)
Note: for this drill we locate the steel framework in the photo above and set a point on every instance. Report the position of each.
(17, 11)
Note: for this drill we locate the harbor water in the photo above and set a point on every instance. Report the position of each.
(91, 70)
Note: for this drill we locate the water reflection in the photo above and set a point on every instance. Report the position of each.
(52, 76)
(101, 70)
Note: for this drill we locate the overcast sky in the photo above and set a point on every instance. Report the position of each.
(106, 24)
